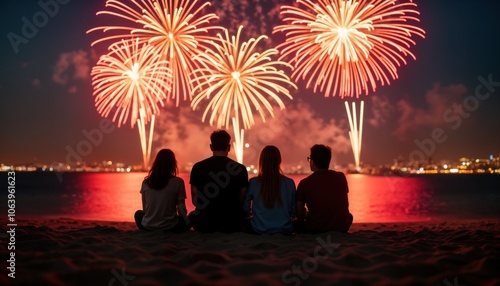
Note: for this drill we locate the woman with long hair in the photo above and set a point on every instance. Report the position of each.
(163, 196)
(271, 196)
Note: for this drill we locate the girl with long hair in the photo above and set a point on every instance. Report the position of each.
(163, 196)
(270, 196)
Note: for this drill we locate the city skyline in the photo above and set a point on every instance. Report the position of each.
(443, 105)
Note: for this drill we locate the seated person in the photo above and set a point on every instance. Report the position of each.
(218, 185)
(163, 196)
(272, 196)
(324, 192)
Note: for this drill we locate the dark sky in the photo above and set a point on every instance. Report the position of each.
(46, 101)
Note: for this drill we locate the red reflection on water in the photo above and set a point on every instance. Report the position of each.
(115, 197)
(388, 198)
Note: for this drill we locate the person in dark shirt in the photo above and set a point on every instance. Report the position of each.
(218, 188)
(324, 192)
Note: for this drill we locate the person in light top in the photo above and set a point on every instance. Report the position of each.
(163, 196)
(271, 195)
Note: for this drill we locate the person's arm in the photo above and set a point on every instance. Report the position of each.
(181, 208)
(247, 199)
(181, 200)
(293, 212)
(301, 212)
(193, 179)
(243, 194)
(143, 198)
(194, 195)
(300, 202)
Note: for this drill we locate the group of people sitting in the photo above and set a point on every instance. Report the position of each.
(226, 201)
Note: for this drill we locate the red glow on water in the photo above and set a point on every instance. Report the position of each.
(115, 197)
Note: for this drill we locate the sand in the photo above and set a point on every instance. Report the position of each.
(76, 252)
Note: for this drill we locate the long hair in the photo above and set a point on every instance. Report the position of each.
(164, 167)
(270, 176)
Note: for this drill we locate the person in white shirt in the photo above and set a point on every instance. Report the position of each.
(163, 196)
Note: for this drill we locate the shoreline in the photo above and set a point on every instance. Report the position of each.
(63, 251)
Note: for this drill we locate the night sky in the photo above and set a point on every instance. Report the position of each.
(46, 100)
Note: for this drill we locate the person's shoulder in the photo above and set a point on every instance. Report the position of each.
(177, 180)
(288, 179)
(203, 164)
(235, 168)
(336, 173)
(235, 163)
(204, 161)
(310, 177)
(144, 187)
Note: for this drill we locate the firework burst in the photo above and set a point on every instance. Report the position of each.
(131, 81)
(178, 30)
(344, 47)
(238, 80)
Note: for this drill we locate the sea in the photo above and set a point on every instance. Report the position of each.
(115, 196)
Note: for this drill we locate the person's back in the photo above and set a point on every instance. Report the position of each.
(160, 206)
(219, 180)
(216, 187)
(325, 193)
(272, 196)
(162, 196)
(271, 220)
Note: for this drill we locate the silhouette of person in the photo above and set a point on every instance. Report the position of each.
(163, 196)
(218, 185)
(272, 196)
(324, 192)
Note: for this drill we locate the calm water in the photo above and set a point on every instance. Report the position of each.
(115, 196)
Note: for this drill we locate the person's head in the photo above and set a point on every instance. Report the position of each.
(320, 157)
(164, 167)
(219, 141)
(269, 160)
(270, 176)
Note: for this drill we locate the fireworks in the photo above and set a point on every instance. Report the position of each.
(344, 47)
(176, 29)
(236, 80)
(131, 81)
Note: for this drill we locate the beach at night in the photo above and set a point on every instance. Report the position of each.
(407, 231)
(250, 142)
(78, 252)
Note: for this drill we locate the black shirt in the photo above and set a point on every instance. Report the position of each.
(219, 181)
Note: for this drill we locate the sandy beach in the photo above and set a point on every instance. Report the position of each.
(77, 252)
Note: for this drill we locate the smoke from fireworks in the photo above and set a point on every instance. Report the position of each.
(238, 80)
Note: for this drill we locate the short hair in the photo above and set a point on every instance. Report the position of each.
(321, 155)
(220, 140)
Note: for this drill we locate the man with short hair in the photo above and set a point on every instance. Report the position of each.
(218, 186)
(324, 192)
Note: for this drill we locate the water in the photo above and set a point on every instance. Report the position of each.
(115, 196)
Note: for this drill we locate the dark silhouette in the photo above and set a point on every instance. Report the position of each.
(163, 196)
(324, 192)
(218, 185)
(272, 196)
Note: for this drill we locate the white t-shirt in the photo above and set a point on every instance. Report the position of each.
(160, 206)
